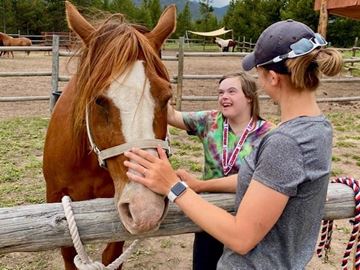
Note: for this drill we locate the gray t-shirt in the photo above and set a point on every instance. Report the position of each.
(293, 159)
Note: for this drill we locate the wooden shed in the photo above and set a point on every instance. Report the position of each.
(345, 8)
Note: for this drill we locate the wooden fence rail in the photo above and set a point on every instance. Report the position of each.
(177, 79)
(43, 226)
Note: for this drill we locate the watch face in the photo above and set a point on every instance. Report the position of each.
(178, 188)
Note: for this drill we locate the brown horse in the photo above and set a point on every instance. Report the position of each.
(1, 44)
(11, 41)
(118, 98)
(225, 44)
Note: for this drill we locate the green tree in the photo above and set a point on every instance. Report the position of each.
(155, 11)
(272, 9)
(342, 31)
(245, 18)
(143, 15)
(183, 21)
(206, 11)
(57, 21)
(7, 17)
(32, 18)
(302, 11)
(126, 7)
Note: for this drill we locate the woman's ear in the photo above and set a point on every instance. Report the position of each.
(274, 78)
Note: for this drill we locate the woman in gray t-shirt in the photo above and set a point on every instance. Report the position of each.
(281, 187)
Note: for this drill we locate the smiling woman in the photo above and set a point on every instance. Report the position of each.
(227, 135)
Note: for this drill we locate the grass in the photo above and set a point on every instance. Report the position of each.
(193, 47)
(22, 139)
(346, 161)
(21, 144)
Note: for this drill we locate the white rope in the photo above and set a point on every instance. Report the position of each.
(82, 261)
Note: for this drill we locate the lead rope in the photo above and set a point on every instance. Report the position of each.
(327, 225)
(82, 261)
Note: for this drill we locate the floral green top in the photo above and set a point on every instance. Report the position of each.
(209, 127)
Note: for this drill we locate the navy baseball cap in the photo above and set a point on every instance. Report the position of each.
(275, 41)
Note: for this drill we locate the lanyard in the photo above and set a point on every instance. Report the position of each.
(229, 163)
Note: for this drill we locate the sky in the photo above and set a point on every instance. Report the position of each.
(220, 3)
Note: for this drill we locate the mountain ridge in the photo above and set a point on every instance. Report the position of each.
(219, 12)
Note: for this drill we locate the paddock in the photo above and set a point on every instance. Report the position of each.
(165, 251)
(182, 74)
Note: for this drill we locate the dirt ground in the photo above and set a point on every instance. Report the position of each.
(165, 252)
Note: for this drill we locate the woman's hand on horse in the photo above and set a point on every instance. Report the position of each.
(154, 172)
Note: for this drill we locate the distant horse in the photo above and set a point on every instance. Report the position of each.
(3, 52)
(225, 44)
(1, 44)
(11, 41)
(117, 99)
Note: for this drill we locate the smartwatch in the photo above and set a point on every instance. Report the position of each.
(177, 190)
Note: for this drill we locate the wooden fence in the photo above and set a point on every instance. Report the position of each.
(43, 226)
(242, 44)
(178, 79)
(67, 40)
(245, 46)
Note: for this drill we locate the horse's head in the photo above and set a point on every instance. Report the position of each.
(122, 93)
(217, 41)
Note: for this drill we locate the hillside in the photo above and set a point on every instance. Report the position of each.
(194, 7)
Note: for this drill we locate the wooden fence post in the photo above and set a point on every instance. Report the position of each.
(323, 18)
(179, 85)
(55, 71)
(354, 48)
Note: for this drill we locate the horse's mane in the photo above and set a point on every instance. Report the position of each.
(111, 50)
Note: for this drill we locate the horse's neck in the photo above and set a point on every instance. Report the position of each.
(223, 43)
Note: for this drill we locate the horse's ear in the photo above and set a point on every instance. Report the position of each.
(164, 28)
(78, 23)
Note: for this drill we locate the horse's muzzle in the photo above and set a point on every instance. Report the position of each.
(140, 209)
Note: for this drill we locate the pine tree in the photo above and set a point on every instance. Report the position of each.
(183, 21)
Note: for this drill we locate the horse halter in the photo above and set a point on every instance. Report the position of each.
(121, 148)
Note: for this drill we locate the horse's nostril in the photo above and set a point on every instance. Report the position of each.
(125, 209)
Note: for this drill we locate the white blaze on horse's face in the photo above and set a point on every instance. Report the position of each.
(131, 94)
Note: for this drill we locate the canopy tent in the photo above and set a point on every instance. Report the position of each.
(345, 8)
(214, 33)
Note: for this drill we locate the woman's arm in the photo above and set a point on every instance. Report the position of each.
(174, 118)
(224, 184)
(259, 210)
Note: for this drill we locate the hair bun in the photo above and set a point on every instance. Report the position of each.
(329, 61)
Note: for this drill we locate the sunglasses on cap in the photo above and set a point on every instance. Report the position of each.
(299, 48)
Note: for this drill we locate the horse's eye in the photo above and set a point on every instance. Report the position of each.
(101, 101)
